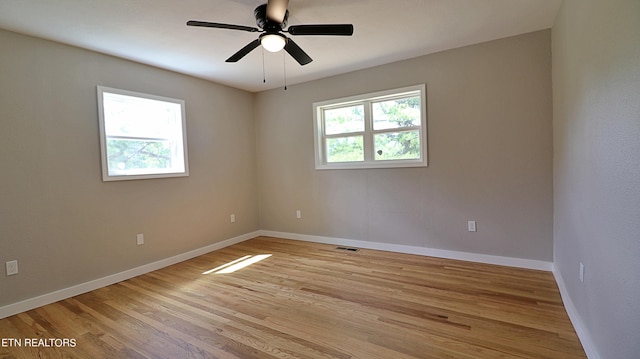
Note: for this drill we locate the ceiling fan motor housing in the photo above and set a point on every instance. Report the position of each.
(264, 23)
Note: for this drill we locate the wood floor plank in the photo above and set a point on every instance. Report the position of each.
(309, 301)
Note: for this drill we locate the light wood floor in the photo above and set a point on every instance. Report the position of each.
(308, 301)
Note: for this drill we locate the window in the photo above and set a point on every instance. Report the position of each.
(376, 130)
(141, 136)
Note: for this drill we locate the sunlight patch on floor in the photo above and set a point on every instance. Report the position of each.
(238, 264)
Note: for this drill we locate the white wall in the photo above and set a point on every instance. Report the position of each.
(58, 219)
(596, 110)
(490, 156)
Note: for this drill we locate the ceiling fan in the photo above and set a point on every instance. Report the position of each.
(271, 19)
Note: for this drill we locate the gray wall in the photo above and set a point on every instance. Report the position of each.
(58, 219)
(490, 156)
(596, 110)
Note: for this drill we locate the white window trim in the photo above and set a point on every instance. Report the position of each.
(319, 136)
(103, 138)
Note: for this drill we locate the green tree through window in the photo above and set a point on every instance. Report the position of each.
(125, 154)
(397, 114)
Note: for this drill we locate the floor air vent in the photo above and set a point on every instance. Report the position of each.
(348, 249)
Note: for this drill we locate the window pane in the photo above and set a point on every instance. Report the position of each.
(344, 120)
(141, 117)
(141, 157)
(141, 135)
(396, 113)
(381, 129)
(397, 145)
(345, 149)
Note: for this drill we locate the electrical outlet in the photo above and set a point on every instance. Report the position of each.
(471, 225)
(140, 239)
(232, 218)
(581, 273)
(298, 214)
(12, 267)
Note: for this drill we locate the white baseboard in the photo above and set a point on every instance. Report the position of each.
(432, 252)
(65, 293)
(583, 335)
(61, 294)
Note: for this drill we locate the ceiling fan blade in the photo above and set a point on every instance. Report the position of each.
(297, 53)
(333, 29)
(221, 26)
(276, 10)
(244, 51)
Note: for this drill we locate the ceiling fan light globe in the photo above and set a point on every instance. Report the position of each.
(273, 42)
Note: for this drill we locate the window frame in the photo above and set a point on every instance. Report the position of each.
(106, 175)
(368, 134)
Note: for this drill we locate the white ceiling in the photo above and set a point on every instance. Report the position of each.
(154, 32)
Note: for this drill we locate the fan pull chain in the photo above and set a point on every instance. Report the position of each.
(284, 66)
(264, 77)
